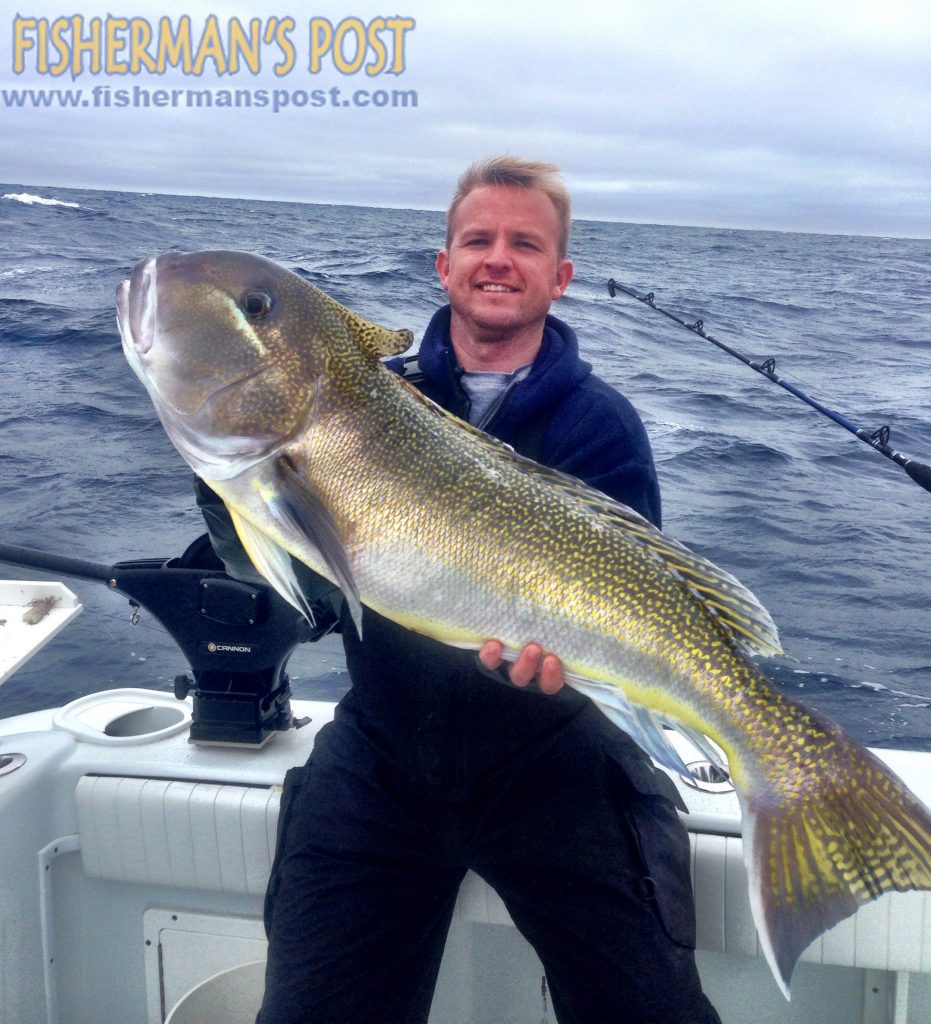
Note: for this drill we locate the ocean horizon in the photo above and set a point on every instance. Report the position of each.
(829, 534)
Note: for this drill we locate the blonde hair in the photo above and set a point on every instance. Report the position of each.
(516, 171)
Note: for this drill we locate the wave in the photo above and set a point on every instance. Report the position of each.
(31, 200)
(753, 479)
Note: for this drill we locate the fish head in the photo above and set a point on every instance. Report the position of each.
(232, 349)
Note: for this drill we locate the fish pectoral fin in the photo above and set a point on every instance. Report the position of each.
(374, 339)
(273, 562)
(298, 510)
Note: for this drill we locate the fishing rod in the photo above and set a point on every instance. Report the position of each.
(878, 439)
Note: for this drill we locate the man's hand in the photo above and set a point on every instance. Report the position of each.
(531, 664)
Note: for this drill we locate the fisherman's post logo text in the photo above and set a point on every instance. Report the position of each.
(76, 47)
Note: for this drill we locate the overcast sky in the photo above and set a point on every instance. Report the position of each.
(807, 115)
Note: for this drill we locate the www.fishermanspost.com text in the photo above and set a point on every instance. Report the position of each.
(273, 100)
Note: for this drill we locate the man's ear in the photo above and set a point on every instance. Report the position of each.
(564, 272)
(442, 268)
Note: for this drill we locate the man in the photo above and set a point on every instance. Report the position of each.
(435, 763)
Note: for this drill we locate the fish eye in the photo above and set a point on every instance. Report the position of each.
(255, 304)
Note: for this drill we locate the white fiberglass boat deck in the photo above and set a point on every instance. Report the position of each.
(134, 862)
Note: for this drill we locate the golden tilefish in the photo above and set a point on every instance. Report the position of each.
(276, 396)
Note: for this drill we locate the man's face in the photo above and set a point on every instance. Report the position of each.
(502, 269)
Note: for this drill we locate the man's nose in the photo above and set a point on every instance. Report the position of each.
(498, 253)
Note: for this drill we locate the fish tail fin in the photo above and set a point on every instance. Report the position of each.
(818, 849)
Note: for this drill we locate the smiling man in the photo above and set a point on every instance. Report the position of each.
(435, 763)
(503, 265)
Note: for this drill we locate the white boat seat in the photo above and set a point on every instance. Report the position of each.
(222, 837)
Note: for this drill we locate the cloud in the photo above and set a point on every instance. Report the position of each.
(773, 114)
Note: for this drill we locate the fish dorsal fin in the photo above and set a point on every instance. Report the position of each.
(373, 339)
(737, 611)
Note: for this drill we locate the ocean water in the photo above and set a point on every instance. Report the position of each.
(831, 536)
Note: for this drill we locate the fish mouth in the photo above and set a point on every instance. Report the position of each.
(148, 348)
(136, 307)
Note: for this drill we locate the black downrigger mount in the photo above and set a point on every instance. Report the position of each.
(237, 637)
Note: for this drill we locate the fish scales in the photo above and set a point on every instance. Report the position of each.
(463, 498)
(275, 395)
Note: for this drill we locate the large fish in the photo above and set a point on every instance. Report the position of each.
(275, 394)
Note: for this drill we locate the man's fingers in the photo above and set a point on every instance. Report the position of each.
(491, 654)
(551, 677)
(525, 668)
(530, 664)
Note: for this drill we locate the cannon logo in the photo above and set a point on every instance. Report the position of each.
(213, 648)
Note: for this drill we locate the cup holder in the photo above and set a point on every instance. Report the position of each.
(10, 762)
(124, 717)
(144, 721)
